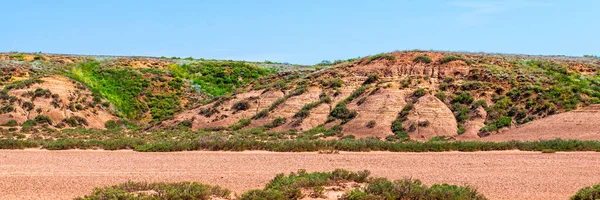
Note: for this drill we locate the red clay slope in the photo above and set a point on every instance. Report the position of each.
(581, 124)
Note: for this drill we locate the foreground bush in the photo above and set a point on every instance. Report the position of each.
(142, 190)
(17, 144)
(293, 186)
(289, 187)
(588, 193)
(380, 188)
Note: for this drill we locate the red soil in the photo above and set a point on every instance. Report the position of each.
(42, 174)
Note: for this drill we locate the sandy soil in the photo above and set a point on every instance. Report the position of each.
(42, 174)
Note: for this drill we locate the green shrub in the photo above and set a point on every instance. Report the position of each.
(186, 123)
(447, 59)
(587, 193)
(380, 188)
(441, 96)
(341, 112)
(240, 124)
(397, 129)
(17, 144)
(28, 124)
(460, 112)
(290, 186)
(463, 98)
(438, 138)
(136, 190)
(75, 121)
(371, 124)
(163, 106)
(334, 83)
(110, 124)
(241, 105)
(268, 194)
(278, 121)
(504, 122)
(17, 56)
(10, 123)
(419, 93)
(301, 114)
(27, 105)
(21, 84)
(372, 78)
(381, 57)
(42, 119)
(422, 59)
(7, 109)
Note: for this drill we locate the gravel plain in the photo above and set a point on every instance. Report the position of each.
(43, 174)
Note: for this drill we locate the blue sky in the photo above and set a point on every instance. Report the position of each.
(304, 32)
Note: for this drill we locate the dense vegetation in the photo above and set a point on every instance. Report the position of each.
(183, 139)
(134, 92)
(293, 186)
(218, 78)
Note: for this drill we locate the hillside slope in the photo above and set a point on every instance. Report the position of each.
(397, 96)
(415, 94)
(580, 124)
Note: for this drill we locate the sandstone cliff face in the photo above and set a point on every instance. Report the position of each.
(382, 107)
(258, 100)
(288, 108)
(62, 99)
(403, 66)
(431, 117)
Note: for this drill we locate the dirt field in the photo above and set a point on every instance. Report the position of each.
(41, 174)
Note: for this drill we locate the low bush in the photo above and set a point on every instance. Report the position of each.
(419, 93)
(17, 144)
(441, 96)
(278, 121)
(381, 57)
(240, 124)
(587, 193)
(75, 121)
(42, 119)
(372, 78)
(463, 98)
(290, 186)
(240, 105)
(447, 59)
(341, 112)
(138, 190)
(422, 59)
(371, 124)
(381, 188)
(10, 123)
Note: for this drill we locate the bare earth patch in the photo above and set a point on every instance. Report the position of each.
(42, 174)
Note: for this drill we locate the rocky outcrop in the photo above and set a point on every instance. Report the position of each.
(431, 117)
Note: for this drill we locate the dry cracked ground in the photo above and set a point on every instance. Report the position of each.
(41, 174)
